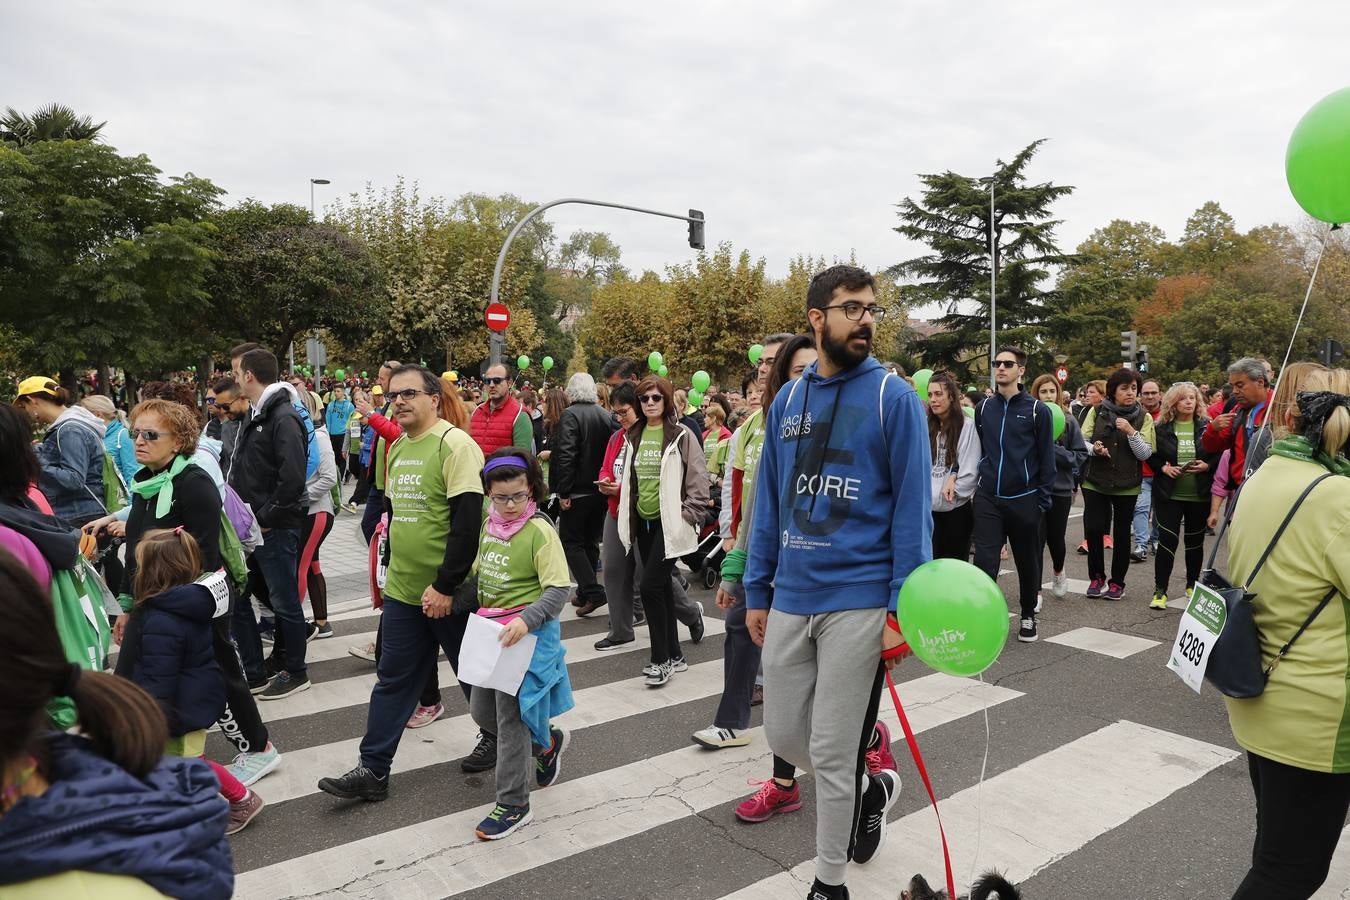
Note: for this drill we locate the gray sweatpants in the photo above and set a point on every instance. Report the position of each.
(495, 711)
(820, 688)
(622, 571)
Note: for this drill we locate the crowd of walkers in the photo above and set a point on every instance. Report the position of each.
(160, 564)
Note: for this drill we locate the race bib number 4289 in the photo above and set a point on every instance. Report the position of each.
(1199, 629)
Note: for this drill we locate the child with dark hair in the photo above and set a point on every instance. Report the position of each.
(522, 584)
(171, 654)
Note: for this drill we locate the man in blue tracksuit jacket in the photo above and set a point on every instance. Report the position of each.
(842, 515)
(1017, 473)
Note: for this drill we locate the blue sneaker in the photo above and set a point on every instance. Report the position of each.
(503, 821)
(548, 765)
(249, 767)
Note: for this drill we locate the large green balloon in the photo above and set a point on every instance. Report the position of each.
(953, 616)
(547, 363)
(1057, 416)
(1317, 162)
(756, 351)
(663, 371)
(696, 399)
(701, 380)
(921, 379)
(340, 374)
(654, 360)
(523, 361)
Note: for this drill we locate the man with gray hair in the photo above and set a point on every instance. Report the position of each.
(579, 445)
(1233, 430)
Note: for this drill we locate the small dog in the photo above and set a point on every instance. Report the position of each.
(990, 886)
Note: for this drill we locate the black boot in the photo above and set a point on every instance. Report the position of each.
(822, 891)
(359, 783)
(484, 755)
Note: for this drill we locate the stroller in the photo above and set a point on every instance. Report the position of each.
(706, 561)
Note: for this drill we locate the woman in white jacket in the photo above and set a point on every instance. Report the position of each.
(956, 461)
(663, 502)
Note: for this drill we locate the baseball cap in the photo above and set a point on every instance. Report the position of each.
(377, 390)
(38, 384)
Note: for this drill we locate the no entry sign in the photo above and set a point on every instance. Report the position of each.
(1061, 375)
(497, 317)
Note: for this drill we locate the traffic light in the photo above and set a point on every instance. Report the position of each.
(1129, 350)
(696, 229)
(1141, 359)
(1332, 351)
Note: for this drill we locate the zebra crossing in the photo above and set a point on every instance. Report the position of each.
(1101, 768)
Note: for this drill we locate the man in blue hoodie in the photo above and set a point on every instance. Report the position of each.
(841, 517)
(1017, 474)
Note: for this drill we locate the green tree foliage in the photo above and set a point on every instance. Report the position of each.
(952, 217)
(52, 122)
(715, 313)
(100, 261)
(280, 275)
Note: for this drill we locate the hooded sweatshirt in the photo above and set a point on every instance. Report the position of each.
(842, 498)
(167, 830)
(71, 454)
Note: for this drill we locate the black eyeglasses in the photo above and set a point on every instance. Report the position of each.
(407, 394)
(150, 436)
(496, 379)
(854, 311)
(1005, 364)
(652, 398)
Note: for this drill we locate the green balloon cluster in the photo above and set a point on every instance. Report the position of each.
(700, 381)
(696, 398)
(547, 363)
(522, 361)
(953, 616)
(756, 352)
(654, 360)
(1317, 161)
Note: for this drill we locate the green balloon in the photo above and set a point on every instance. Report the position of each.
(953, 616)
(663, 371)
(340, 374)
(365, 374)
(701, 380)
(654, 360)
(921, 379)
(969, 411)
(1317, 162)
(696, 398)
(1057, 416)
(547, 363)
(756, 351)
(523, 361)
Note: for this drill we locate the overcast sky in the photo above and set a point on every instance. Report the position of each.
(794, 125)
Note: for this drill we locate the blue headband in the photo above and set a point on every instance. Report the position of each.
(518, 461)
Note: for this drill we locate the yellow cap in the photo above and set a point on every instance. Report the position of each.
(38, 384)
(377, 390)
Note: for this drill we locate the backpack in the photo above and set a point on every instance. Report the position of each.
(232, 556)
(242, 521)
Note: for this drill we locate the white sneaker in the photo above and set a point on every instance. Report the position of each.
(1040, 601)
(366, 652)
(649, 669)
(678, 664)
(659, 677)
(715, 738)
(1059, 586)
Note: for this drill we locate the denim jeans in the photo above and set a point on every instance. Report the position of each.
(1144, 533)
(278, 560)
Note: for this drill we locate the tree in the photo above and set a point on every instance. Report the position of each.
(591, 254)
(52, 122)
(281, 275)
(714, 315)
(952, 217)
(1209, 244)
(100, 261)
(626, 318)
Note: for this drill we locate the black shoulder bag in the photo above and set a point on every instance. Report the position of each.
(1235, 662)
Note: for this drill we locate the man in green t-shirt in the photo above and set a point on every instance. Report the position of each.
(434, 496)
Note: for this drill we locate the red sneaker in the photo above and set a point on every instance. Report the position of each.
(880, 756)
(1108, 543)
(769, 799)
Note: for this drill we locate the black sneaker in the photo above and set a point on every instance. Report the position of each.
(639, 617)
(822, 891)
(548, 765)
(883, 789)
(1027, 633)
(696, 629)
(285, 684)
(484, 755)
(311, 631)
(358, 784)
(271, 666)
(608, 643)
(257, 687)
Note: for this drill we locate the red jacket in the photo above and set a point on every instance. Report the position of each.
(494, 430)
(1147, 469)
(1234, 438)
(607, 473)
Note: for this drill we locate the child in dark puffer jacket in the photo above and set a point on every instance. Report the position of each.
(172, 655)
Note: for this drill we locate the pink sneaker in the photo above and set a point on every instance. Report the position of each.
(769, 799)
(425, 715)
(880, 756)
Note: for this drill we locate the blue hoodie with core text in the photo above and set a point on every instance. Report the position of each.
(843, 504)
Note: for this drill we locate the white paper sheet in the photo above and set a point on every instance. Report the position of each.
(484, 662)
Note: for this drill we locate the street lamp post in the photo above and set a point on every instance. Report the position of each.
(497, 342)
(312, 182)
(993, 281)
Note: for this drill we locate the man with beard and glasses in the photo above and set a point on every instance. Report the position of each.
(1017, 475)
(841, 517)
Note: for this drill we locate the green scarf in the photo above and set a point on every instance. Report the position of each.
(1296, 446)
(161, 485)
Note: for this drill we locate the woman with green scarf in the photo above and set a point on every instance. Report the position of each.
(1297, 733)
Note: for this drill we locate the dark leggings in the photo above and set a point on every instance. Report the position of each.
(1098, 510)
(1299, 817)
(658, 599)
(951, 532)
(1171, 515)
(310, 575)
(241, 724)
(1054, 524)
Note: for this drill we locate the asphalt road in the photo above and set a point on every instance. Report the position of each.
(1105, 776)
